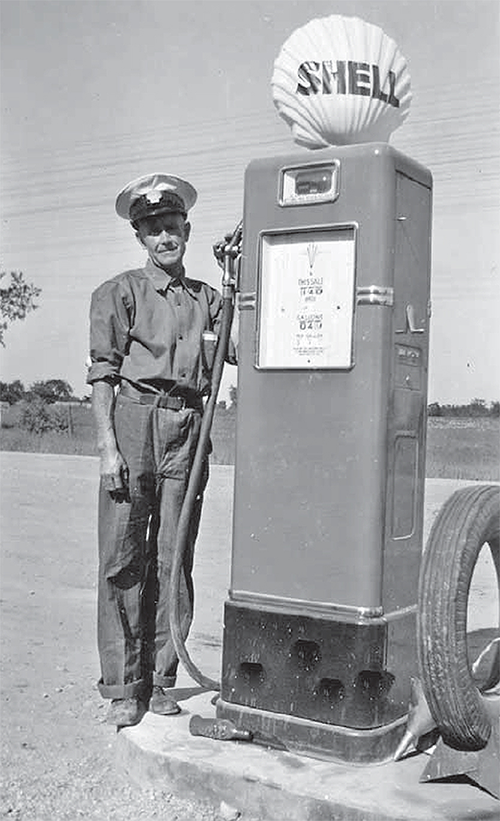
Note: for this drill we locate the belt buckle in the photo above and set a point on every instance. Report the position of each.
(174, 402)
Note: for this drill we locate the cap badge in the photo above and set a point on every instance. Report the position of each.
(153, 197)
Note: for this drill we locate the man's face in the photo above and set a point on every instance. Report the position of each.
(164, 236)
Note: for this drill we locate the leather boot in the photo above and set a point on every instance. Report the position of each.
(125, 712)
(162, 702)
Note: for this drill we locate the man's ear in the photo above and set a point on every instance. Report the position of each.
(139, 238)
(187, 230)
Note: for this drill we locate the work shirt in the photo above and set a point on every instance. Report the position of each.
(146, 328)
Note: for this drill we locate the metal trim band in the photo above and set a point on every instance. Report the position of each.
(401, 614)
(338, 729)
(246, 301)
(375, 295)
(282, 603)
(339, 611)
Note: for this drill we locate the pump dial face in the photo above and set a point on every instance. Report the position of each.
(306, 298)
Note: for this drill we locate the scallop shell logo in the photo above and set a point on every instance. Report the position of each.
(338, 80)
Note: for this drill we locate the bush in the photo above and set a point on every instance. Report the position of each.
(36, 417)
(435, 409)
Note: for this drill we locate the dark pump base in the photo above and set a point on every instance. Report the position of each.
(319, 685)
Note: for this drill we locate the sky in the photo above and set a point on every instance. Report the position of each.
(95, 94)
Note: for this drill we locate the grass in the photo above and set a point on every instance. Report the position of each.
(466, 448)
(463, 448)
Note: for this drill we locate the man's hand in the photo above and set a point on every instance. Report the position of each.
(113, 468)
(114, 474)
(220, 248)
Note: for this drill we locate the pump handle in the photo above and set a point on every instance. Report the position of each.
(226, 252)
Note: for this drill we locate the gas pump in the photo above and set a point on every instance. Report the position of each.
(320, 623)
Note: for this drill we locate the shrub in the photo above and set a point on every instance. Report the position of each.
(36, 417)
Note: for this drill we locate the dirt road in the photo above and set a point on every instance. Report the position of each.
(57, 752)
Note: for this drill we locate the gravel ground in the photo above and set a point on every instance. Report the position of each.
(57, 752)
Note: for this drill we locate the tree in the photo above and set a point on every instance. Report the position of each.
(16, 300)
(478, 408)
(52, 390)
(11, 392)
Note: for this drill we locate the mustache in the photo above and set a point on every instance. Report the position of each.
(168, 246)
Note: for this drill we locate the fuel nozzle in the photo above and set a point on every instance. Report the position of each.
(220, 729)
(227, 253)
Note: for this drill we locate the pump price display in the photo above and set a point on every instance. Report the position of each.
(306, 302)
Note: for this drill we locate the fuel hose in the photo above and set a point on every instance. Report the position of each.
(201, 455)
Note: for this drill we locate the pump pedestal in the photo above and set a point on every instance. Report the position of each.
(319, 685)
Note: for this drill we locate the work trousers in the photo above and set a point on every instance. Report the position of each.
(136, 543)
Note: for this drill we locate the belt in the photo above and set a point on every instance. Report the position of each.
(162, 400)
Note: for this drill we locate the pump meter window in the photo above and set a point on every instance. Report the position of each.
(309, 183)
(307, 281)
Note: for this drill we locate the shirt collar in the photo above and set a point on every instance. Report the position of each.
(163, 281)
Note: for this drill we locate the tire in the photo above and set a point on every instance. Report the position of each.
(469, 519)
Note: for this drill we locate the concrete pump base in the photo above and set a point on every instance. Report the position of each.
(264, 784)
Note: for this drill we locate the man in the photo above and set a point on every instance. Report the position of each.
(148, 376)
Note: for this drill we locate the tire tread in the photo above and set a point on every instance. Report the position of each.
(469, 518)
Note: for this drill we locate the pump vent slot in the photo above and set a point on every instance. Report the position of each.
(373, 685)
(330, 689)
(251, 673)
(305, 655)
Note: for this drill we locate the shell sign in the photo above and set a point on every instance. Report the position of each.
(338, 80)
